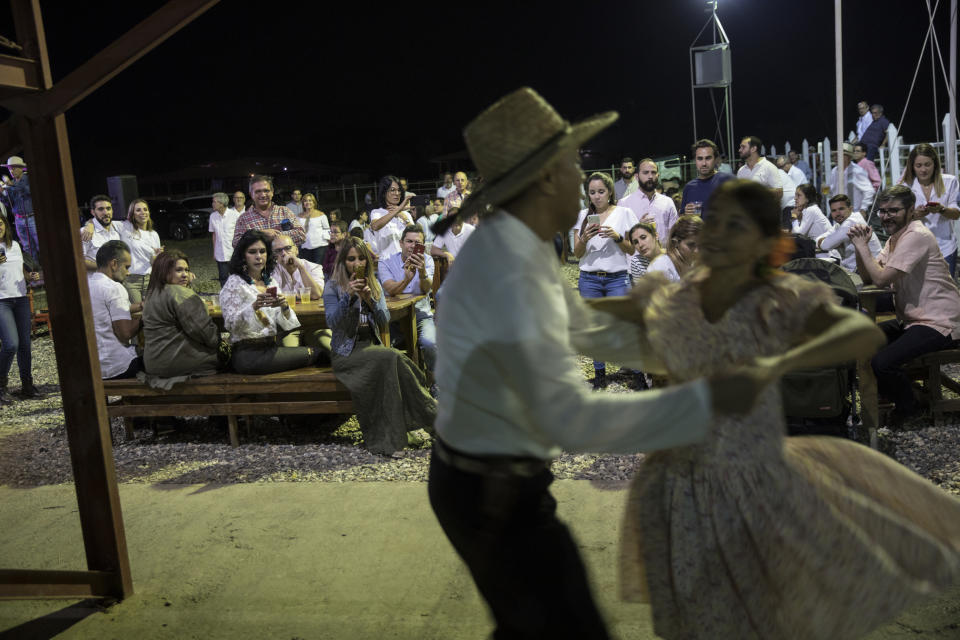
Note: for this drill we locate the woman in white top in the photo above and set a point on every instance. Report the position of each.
(317, 228)
(682, 251)
(604, 249)
(388, 221)
(254, 313)
(808, 218)
(15, 320)
(362, 220)
(936, 194)
(144, 244)
(646, 247)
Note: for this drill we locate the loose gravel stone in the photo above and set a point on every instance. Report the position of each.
(33, 444)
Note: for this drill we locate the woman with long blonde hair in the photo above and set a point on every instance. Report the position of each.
(317, 229)
(936, 194)
(137, 231)
(388, 389)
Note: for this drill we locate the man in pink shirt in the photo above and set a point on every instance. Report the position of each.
(927, 300)
(860, 157)
(647, 204)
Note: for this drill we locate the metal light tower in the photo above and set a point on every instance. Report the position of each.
(710, 69)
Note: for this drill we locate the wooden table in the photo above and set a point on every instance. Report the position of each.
(401, 308)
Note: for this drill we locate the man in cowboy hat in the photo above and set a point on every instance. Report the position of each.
(511, 396)
(18, 191)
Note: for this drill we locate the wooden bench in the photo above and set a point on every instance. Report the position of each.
(928, 368)
(306, 390)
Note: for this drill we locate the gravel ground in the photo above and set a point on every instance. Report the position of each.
(33, 447)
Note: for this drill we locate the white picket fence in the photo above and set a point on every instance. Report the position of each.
(893, 155)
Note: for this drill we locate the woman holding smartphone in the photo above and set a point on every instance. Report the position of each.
(255, 314)
(387, 388)
(936, 194)
(602, 244)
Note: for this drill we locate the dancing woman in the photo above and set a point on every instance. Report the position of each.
(751, 534)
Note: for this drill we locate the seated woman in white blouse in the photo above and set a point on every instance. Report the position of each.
(808, 218)
(682, 249)
(254, 313)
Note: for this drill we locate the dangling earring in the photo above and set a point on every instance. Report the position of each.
(245, 268)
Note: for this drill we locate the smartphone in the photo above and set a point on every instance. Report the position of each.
(593, 219)
(360, 273)
(286, 225)
(272, 291)
(419, 248)
(933, 204)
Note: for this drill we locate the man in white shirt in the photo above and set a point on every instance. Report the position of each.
(447, 187)
(865, 119)
(101, 207)
(239, 202)
(431, 213)
(648, 205)
(788, 199)
(794, 158)
(798, 176)
(110, 303)
(221, 225)
(758, 168)
(628, 182)
(448, 244)
(856, 183)
(296, 208)
(844, 219)
(512, 396)
(292, 272)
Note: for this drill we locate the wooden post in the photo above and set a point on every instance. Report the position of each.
(78, 365)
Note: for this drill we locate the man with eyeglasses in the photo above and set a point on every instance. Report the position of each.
(292, 272)
(265, 216)
(925, 297)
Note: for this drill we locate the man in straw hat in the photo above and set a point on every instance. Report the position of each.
(511, 397)
(18, 191)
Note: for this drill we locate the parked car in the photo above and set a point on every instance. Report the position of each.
(198, 203)
(174, 221)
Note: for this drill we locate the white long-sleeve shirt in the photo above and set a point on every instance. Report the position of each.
(940, 226)
(839, 240)
(506, 344)
(857, 186)
(240, 319)
(813, 225)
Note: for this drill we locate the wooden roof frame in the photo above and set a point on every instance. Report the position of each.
(38, 127)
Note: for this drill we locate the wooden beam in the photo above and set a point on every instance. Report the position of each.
(32, 583)
(28, 22)
(19, 74)
(126, 50)
(9, 139)
(88, 429)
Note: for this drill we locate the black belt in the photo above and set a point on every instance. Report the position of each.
(489, 465)
(606, 274)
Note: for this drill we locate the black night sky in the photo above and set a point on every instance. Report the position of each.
(375, 90)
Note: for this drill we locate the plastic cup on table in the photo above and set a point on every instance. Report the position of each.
(291, 298)
(305, 295)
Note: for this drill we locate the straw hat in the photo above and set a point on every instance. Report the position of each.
(516, 137)
(15, 161)
(847, 149)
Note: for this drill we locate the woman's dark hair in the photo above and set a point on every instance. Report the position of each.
(382, 188)
(810, 193)
(238, 260)
(686, 226)
(608, 185)
(756, 200)
(7, 237)
(163, 266)
(356, 232)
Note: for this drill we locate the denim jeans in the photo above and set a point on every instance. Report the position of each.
(27, 231)
(223, 272)
(592, 285)
(426, 338)
(952, 263)
(15, 335)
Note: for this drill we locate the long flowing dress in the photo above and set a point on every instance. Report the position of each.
(751, 534)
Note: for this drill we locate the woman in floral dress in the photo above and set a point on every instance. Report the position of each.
(751, 534)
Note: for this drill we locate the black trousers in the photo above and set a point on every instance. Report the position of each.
(903, 345)
(523, 559)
